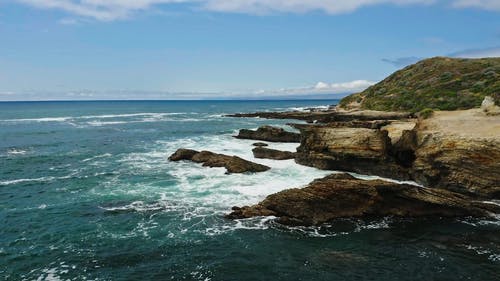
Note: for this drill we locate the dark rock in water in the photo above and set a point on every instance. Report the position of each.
(233, 164)
(260, 144)
(182, 154)
(341, 195)
(269, 133)
(262, 152)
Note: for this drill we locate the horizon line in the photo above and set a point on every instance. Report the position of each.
(144, 100)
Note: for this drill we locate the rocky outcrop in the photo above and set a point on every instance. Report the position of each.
(459, 151)
(262, 152)
(360, 150)
(458, 164)
(341, 195)
(260, 144)
(328, 116)
(233, 164)
(269, 133)
(489, 107)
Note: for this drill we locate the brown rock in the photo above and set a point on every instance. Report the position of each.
(182, 154)
(360, 150)
(327, 116)
(233, 164)
(269, 133)
(262, 152)
(341, 195)
(460, 165)
(459, 151)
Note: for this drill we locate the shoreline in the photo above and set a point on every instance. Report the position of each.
(390, 146)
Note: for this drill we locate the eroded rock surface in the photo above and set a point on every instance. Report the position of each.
(459, 151)
(269, 133)
(233, 164)
(341, 195)
(263, 152)
(360, 150)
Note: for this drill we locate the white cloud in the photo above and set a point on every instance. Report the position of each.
(321, 85)
(109, 10)
(482, 4)
(299, 6)
(323, 88)
(478, 53)
(319, 90)
(68, 21)
(103, 10)
(345, 87)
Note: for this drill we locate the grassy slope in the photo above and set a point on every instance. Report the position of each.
(437, 83)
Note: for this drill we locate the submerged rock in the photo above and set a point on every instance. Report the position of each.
(342, 195)
(233, 164)
(262, 152)
(269, 133)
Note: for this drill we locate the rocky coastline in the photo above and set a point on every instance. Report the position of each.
(454, 162)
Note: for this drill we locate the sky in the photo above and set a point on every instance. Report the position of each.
(197, 49)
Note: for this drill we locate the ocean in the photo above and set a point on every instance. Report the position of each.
(87, 193)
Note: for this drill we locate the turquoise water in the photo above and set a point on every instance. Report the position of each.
(87, 193)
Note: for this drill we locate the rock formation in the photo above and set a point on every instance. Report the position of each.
(328, 116)
(459, 151)
(360, 150)
(489, 107)
(341, 195)
(262, 152)
(269, 133)
(233, 164)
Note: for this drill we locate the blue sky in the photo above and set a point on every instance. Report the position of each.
(167, 49)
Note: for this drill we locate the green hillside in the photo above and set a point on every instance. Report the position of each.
(436, 83)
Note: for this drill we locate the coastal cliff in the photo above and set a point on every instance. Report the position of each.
(457, 150)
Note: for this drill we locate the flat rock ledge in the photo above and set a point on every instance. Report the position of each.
(327, 116)
(269, 153)
(342, 195)
(233, 164)
(269, 133)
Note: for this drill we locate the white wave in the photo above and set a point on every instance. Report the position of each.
(97, 157)
(197, 192)
(139, 206)
(368, 177)
(492, 256)
(157, 115)
(257, 223)
(14, 151)
(102, 123)
(41, 179)
(493, 202)
(309, 108)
